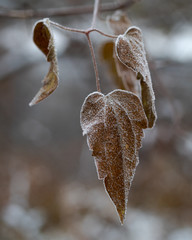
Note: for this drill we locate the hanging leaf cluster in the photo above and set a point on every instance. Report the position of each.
(113, 123)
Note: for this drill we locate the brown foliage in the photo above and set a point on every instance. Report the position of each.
(114, 126)
(43, 38)
(114, 122)
(130, 51)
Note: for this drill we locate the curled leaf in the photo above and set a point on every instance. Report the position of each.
(119, 23)
(43, 38)
(130, 51)
(114, 126)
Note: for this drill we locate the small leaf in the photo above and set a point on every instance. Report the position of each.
(130, 51)
(119, 23)
(43, 38)
(114, 126)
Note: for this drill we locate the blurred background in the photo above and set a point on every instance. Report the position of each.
(48, 182)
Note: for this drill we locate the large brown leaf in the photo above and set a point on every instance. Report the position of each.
(131, 52)
(114, 126)
(43, 38)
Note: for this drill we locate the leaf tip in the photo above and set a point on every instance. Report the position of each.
(121, 213)
(38, 97)
(31, 104)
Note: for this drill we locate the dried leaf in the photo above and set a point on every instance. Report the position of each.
(119, 23)
(43, 38)
(130, 51)
(114, 126)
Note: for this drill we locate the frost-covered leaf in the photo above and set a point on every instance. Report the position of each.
(114, 126)
(119, 23)
(43, 38)
(130, 51)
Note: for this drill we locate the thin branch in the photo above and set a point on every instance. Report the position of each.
(94, 63)
(50, 12)
(102, 33)
(95, 12)
(67, 28)
(82, 31)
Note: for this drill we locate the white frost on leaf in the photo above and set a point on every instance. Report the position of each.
(43, 38)
(131, 52)
(114, 126)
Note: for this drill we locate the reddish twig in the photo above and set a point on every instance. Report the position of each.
(82, 31)
(87, 33)
(95, 14)
(94, 63)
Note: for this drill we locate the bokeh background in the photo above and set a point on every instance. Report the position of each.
(48, 182)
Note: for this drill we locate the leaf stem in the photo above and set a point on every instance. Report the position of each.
(82, 31)
(87, 33)
(67, 28)
(102, 33)
(94, 63)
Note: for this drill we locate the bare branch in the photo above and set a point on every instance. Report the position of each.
(31, 13)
